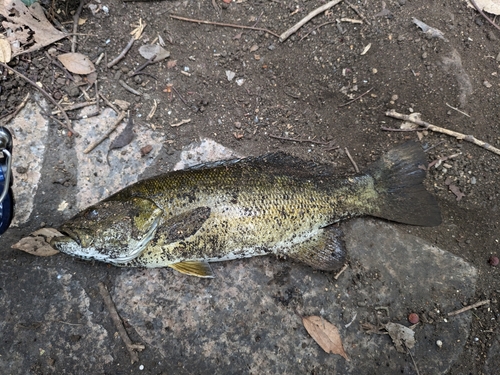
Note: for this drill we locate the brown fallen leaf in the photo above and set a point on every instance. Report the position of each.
(402, 337)
(29, 29)
(325, 334)
(76, 63)
(38, 242)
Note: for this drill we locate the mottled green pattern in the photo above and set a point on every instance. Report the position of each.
(236, 209)
(253, 210)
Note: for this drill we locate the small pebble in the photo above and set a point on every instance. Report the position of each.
(494, 260)
(413, 318)
(141, 367)
(439, 343)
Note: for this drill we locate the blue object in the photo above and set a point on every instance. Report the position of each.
(6, 200)
(6, 206)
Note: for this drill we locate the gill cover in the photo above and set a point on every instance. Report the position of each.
(111, 231)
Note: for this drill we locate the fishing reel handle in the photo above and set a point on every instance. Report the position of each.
(6, 200)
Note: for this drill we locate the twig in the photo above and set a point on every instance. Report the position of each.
(113, 128)
(401, 130)
(413, 360)
(152, 111)
(119, 324)
(122, 54)
(356, 98)
(182, 122)
(10, 116)
(109, 104)
(147, 63)
(456, 109)
(180, 96)
(307, 18)
(355, 8)
(460, 136)
(128, 88)
(484, 15)
(470, 307)
(298, 140)
(46, 94)
(76, 18)
(316, 28)
(336, 277)
(352, 160)
(74, 106)
(224, 24)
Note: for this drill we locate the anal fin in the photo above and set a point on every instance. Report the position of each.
(194, 268)
(325, 251)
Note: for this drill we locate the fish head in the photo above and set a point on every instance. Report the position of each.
(114, 231)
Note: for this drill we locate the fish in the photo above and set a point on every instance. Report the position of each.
(270, 204)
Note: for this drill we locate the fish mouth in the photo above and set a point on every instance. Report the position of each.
(61, 242)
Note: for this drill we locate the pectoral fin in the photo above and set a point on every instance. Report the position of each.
(325, 251)
(194, 268)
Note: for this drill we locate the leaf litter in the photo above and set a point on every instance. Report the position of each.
(325, 334)
(38, 242)
(27, 28)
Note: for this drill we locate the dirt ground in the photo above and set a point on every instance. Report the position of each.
(295, 96)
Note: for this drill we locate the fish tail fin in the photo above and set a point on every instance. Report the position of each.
(402, 197)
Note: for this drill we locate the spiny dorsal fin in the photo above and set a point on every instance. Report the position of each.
(276, 162)
(194, 268)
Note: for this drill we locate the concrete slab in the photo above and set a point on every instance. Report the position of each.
(247, 319)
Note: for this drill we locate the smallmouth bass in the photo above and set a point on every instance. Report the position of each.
(274, 204)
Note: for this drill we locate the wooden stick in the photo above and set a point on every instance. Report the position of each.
(437, 129)
(109, 104)
(113, 128)
(336, 277)
(128, 88)
(356, 98)
(76, 18)
(75, 106)
(46, 94)
(351, 159)
(223, 24)
(10, 116)
(306, 19)
(119, 324)
(470, 307)
(122, 54)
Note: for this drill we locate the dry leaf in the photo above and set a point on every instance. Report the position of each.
(38, 243)
(402, 337)
(325, 334)
(27, 27)
(490, 6)
(125, 137)
(5, 51)
(76, 63)
(148, 51)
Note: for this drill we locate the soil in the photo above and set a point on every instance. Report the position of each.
(322, 91)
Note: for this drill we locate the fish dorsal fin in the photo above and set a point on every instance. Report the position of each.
(184, 225)
(276, 162)
(324, 251)
(194, 268)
